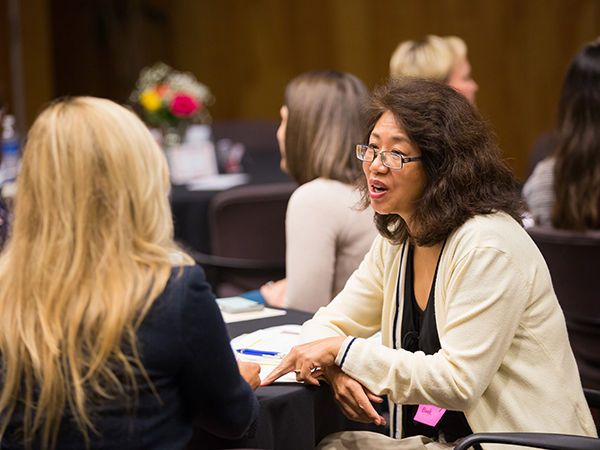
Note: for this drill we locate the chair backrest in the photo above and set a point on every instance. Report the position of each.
(549, 441)
(248, 224)
(573, 259)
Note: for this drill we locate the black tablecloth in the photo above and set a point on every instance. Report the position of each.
(190, 208)
(291, 317)
(292, 416)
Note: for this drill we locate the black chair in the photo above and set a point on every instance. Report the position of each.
(247, 229)
(573, 259)
(550, 441)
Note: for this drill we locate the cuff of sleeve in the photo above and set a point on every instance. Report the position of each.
(341, 356)
(253, 428)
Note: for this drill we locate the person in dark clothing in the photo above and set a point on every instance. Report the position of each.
(111, 338)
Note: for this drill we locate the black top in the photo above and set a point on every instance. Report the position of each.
(419, 333)
(185, 350)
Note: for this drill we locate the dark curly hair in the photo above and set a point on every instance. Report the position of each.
(466, 175)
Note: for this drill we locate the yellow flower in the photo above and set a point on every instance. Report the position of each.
(150, 100)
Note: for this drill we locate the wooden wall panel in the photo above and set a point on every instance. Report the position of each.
(100, 46)
(5, 79)
(38, 74)
(247, 51)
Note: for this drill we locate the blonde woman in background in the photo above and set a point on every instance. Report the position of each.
(110, 337)
(438, 58)
(326, 235)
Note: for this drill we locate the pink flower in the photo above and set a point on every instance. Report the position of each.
(184, 106)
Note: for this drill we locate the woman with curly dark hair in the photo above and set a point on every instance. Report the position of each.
(471, 328)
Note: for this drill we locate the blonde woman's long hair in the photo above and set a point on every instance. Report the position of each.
(92, 247)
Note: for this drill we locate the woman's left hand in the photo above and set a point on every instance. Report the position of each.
(307, 359)
(353, 399)
(250, 372)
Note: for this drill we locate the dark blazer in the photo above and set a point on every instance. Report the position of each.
(185, 350)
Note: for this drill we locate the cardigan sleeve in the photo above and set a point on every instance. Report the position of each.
(483, 299)
(223, 402)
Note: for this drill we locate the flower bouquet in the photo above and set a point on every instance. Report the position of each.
(171, 100)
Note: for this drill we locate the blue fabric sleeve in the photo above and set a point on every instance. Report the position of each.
(254, 295)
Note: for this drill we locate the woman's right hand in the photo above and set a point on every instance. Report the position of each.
(250, 372)
(353, 399)
(274, 292)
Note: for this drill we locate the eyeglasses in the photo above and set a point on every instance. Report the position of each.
(389, 159)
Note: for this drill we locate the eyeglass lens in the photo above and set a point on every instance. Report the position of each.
(367, 154)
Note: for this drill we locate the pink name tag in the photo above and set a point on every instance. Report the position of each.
(429, 414)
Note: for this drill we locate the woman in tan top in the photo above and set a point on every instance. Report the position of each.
(326, 236)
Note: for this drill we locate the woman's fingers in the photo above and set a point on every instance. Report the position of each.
(306, 360)
(282, 368)
(274, 292)
(309, 375)
(250, 372)
(365, 409)
(373, 397)
(353, 398)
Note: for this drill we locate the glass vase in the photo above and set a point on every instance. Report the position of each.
(173, 135)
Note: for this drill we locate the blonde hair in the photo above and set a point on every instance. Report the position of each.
(323, 126)
(432, 57)
(91, 249)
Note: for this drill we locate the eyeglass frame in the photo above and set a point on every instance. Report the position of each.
(382, 154)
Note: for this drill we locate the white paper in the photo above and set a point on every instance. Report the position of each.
(251, 315)
(266, 367)
(190, 161)
(279, 339)
(218, 182)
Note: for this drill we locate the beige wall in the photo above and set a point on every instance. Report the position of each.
(247, 50)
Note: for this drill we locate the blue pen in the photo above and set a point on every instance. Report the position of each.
(249, 351)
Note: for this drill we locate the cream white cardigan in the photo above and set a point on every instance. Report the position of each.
(505, 358)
